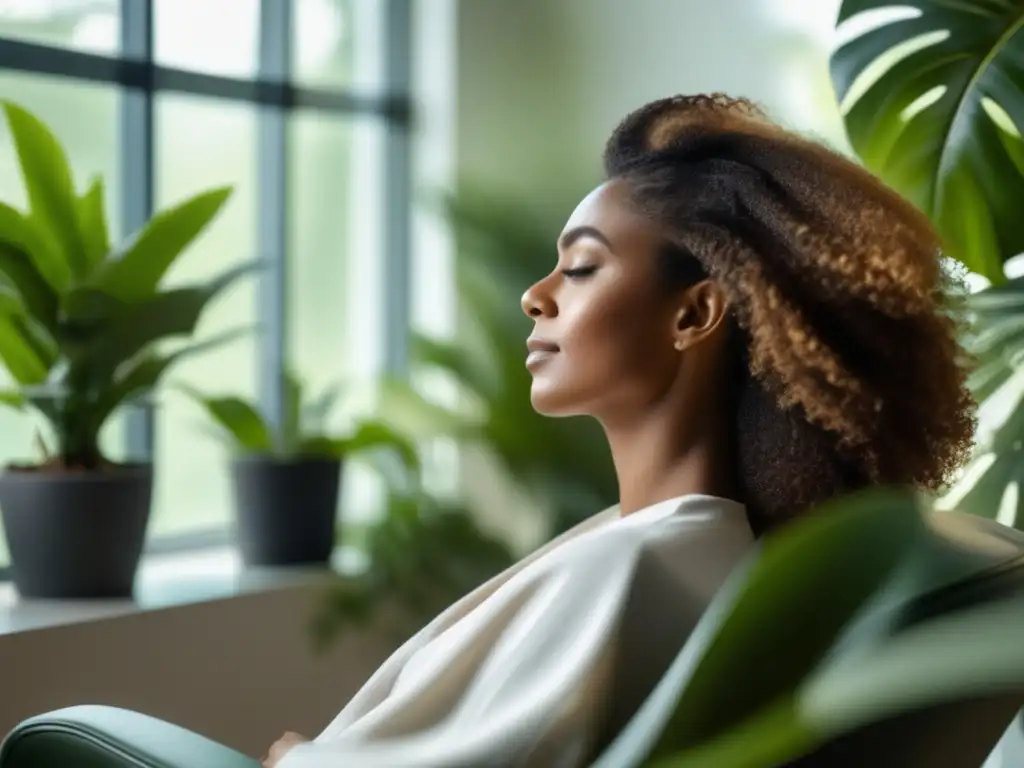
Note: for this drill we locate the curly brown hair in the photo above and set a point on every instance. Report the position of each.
(848, 368)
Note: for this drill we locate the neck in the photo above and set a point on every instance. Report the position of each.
(664, 456)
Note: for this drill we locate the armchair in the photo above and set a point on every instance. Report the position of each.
(948, 598)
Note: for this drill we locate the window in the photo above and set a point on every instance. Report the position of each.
(303, 106)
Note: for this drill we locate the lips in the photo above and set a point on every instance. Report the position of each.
(536, 344)
(540, 351)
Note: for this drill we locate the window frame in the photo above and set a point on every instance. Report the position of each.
(134, 70)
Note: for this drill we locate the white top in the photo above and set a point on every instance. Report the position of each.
(544, 663)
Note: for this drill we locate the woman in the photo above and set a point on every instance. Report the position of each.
(758, 324)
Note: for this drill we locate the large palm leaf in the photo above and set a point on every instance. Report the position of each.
(991, 484)
(942, 124)
(851, 661)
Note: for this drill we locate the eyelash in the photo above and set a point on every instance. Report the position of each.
(579, 272)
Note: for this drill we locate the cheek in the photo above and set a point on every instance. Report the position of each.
(618, 332)
(614, 347)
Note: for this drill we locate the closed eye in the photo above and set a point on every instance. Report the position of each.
(579, 272)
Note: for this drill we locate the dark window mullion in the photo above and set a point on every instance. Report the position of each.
(275, 35)
(137, 178)
(397, 188)
(20, 56)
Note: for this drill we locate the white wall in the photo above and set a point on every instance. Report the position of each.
(543, 82)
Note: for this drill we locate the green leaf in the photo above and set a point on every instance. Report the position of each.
(819, 563)
(48, 181)
(19, 354)
(999, 301)
(10, 301)
(960, 656)
(131, 327)
(111, 341)
(137, 272)
(143, 373)
(23, 235)
(236, 417)
(314, 414)
(996, 339)
(770, 738)
(420, 417)
(983, 485)
(35, 292)
(424, 554)
(11, 399)
(90, 306)
(373, 435)
(456, 360)
(720, 679)
(950, 158)
(92, 223)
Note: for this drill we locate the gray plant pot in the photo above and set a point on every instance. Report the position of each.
(285, 510)
(75, 534)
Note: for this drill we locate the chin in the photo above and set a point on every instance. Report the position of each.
(551, 401)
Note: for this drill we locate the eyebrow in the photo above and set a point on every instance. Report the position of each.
(576, 233)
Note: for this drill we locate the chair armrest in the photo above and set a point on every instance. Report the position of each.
(108, 737)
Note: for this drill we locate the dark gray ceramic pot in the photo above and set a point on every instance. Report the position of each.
(285, 510)
(75, 535)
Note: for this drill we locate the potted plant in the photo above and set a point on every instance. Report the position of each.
(422, 555)
(79, 326)
(287, 478)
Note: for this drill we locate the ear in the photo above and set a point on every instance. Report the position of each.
(701, 314)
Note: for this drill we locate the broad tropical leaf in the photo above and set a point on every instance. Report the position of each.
(373, 435)
(826, 552)
(19, 354)
(136, 273)
(92, 223)
(719, 686)
(49, 183)
(421, 418)
(10, 302)
(245, 425)
(11, 399)
(997, 342)
(34, 290)
(468, 369)
(21, 234)
(121, 330)
(959, 657)
(142, 374)
(942, 125)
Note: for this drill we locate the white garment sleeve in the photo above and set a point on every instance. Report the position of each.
(531, 669)
(516, 682)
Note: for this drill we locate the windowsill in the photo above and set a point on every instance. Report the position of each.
(165, 581)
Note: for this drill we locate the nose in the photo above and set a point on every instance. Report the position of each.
(537, 301)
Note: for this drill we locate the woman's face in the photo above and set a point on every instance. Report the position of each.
(605, 330)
